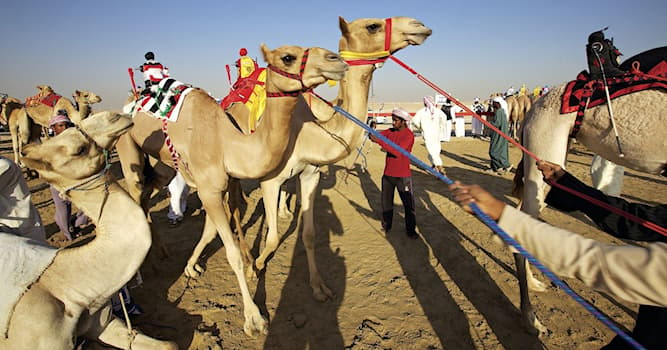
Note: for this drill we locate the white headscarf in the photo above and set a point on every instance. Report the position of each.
(503, 104)
(429, 104)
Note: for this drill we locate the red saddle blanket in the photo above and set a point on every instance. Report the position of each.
(647, 70)
(243, 89)
(49, 100)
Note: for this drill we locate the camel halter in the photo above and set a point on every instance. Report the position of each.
(298, 77)
(366, 58)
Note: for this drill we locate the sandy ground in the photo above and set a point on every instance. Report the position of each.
(453, 288)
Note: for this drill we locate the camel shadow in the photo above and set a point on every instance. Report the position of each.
(162, 318)
(439, 301)
(300, 321)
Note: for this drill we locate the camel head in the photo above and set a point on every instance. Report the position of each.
(78, 152)
(321, 65)
(85, 97)
(366, 35)
(44, 90)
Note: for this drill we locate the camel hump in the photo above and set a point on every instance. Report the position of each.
(647, 59)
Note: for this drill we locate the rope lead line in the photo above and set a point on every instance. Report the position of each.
(500, 232)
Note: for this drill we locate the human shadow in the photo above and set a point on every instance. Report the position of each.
(440, 306)
(300, 321)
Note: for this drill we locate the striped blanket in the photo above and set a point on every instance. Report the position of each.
(167, 102)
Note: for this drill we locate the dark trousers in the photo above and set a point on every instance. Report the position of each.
(649, 330)
(404, 187)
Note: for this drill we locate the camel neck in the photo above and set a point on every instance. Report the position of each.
(120, 245)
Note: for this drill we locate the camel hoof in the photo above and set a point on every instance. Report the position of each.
(193, 271)
(536, 285)
(536, 326)
(256, 325)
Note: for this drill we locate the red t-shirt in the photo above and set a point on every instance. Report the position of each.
(397, 164)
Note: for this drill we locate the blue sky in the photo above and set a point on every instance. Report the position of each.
(476, 48)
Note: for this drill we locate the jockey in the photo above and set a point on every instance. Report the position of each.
(245, 65)
(602, 56)
(153, 73)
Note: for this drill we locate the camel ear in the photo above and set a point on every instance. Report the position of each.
(265, 52)
(342, 23)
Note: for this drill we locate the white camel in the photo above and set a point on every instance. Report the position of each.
(326, 137)
(545, 133)
(71, 297)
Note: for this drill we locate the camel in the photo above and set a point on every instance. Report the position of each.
(211, 150)
(545, 133)
(327, 137)
(518, 106)
(71, 297)
(23, 130)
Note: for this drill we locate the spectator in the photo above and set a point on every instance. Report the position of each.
(446, 129)
(498, 146)
(178, 199)
(430, 120)
(477, 125)
(18, 214)
(459, 122)
(397, 175)
(69, 226)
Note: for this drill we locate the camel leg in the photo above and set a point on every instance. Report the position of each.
(192, 269)
(234, 198)
(527, 311)
(132, 163)
(283, 210)
(270, 190)
(310, 178)
(16, 146)
(212, 201)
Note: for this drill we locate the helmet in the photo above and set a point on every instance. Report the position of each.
(243, 51)
(149, 55)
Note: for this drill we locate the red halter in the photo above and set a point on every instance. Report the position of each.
(298, 77)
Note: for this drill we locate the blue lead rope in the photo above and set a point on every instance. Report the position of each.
(500, 232)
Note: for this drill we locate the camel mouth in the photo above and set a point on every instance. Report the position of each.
(417, 38)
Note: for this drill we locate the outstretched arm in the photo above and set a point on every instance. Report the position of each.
(635, 274)
(614, 224)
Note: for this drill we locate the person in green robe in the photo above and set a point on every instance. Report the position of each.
(498, 146)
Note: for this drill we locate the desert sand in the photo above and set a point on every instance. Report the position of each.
(453, 288)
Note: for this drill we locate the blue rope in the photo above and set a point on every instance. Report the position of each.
(500, 232)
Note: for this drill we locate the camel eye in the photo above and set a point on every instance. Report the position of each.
(373, 28)
(81, 150)
(288, 59)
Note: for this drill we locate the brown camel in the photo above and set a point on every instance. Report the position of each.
(518, 106)
(211, 150)
(326, 137)
(545, 133)
(71, 297)
(23, 130)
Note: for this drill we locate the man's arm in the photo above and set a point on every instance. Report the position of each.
(614, 224)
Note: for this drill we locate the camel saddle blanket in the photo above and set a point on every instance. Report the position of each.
(647, 70)
(167, 102)
(49, 100)
(23, 262)
(250, 91)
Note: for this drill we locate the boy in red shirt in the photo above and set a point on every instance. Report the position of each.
(397, 175)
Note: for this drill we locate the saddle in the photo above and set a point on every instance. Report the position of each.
(646, 70)
(251, 92)
(49, 100)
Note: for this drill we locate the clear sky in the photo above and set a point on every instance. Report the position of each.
(477, 47)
